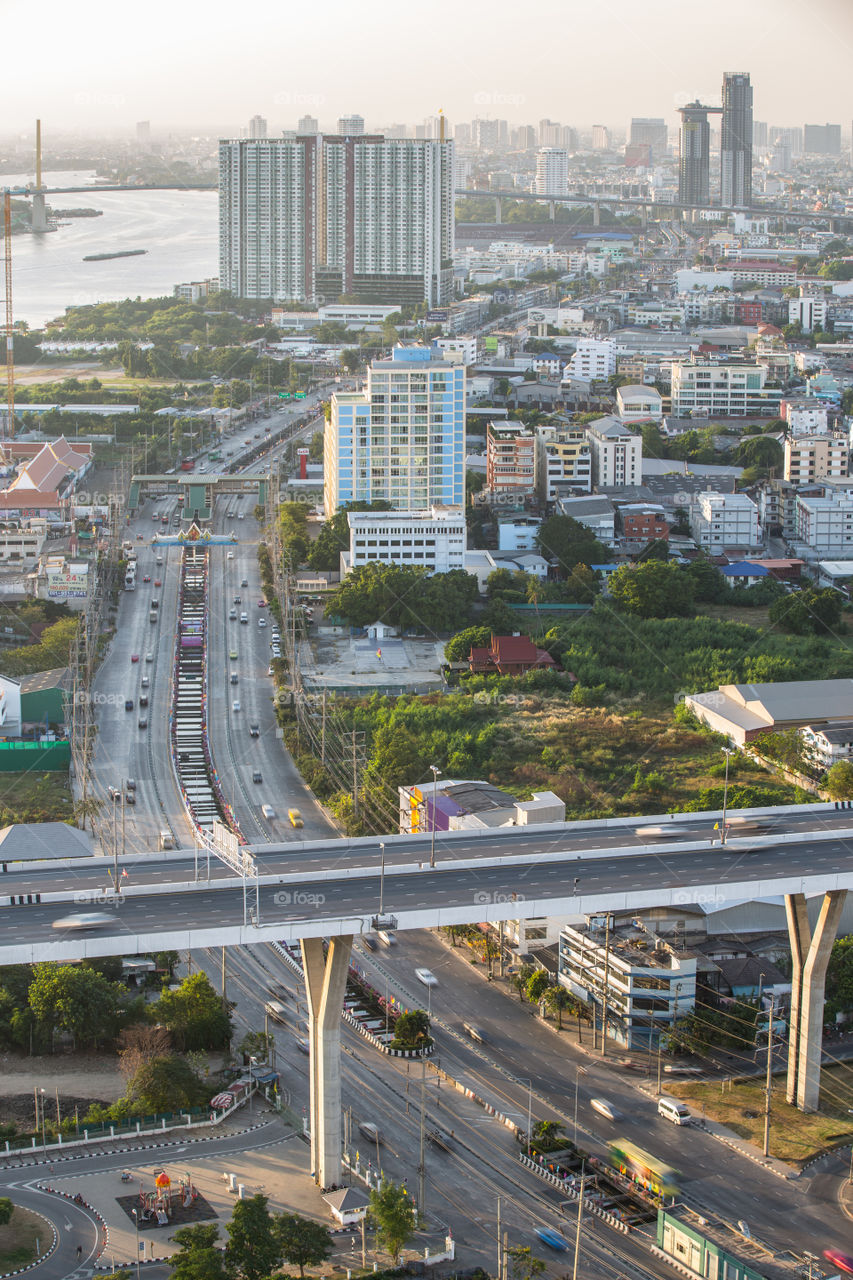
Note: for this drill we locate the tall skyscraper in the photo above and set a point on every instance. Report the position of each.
(600, 137)
(257, 127)
(319, 216)
(736, 141)
(307, 124)
(822, 139)
(401, 439)
(694, 161)
(759, 135)
(652, 131)
(351, 126)
(552, 172)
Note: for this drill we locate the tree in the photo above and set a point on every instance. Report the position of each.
(760, 451)
(839, 979)
(653, 590)
(303, 1243)
(167, 1084)
(392, 1217)
(569, 543)
(198, 1258)
(75, 999)
(808, 612)
(334, 536)
(520, 980)
(656, 549)
(254, 1248)
(523, 1263)
(7, 1208)
(459, 646)
(197, 1017)
(351, 359)
(709, 585)
(557, 1000)
(139, 1044)
(411, 1030)
(537, 984)
(839, 780)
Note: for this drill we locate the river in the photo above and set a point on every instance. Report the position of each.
(179, 230)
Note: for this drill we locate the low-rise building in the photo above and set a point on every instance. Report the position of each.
(22, 544)
(637, 403)
(700, 1245)
(701, 388)
(804, 415)
(635, 980)
(827, 746)
(643, 521)
(509, 656)
(433, 539)
(463, 804)
(808, 311)
(826, 524)
(744, 711)
(518, 533)
(594, 360)
(721, 520)
(815, 457)
(563, 463)
(597, 513)
(510, 459)
(617, 453)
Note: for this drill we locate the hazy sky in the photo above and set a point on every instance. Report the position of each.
(104, 65)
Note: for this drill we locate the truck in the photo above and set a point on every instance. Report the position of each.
(130, 578)
(275, 1010)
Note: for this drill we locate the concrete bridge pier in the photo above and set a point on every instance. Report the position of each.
(644, 215)
(552, 210)
(596, 214)
(810, 957)
(38, 213)
(325, 985)
(497, 210)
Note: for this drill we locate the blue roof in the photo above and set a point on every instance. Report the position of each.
(745, 569)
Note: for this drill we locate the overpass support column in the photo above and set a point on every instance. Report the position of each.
(38, 214)
(325, 984)
(644, 215)
(810, 956)
(596, 214)
(498, 210)
(552, 210)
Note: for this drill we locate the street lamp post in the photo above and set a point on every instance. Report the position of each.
(579, 1071)
(43, 1134)
(727, 751)
(529, 1084)
(136, 1221)
(436, 773)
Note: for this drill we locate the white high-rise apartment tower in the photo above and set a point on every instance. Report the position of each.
(319, 216)
(552, 172)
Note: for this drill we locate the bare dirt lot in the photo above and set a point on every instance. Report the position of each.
(79, 1081)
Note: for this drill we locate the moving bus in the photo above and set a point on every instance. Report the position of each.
(216, 456)
(188, 464)
(646, 1171)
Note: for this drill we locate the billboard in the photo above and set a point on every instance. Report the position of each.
(68, 583)
(491, 344)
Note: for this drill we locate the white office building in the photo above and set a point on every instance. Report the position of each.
(725, 390)
(826, 524)
(637, 403)
(617, 453)
(594, 359)
(808, 311)
(314, 217)
(401, 439)
(552, 172)
(637, 983)
(721, 520)
(433, 539)
(805, 415)
(563, 463)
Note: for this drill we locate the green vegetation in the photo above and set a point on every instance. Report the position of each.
(35, 797)
(392, 1216)
(258, 1243)
(411, 1030)
(410, 598)
(21, 1234)
(839, 780)
(333, 538)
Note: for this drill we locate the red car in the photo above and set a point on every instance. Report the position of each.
(157, 582)
(146, 577)
(134, 657)
(841, 1260)
(262, 604)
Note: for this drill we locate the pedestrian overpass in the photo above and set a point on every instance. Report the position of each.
(338, 890)
(196, 492)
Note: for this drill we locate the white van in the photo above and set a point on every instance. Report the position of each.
(605, 1108)
(267, 810)
(275, 1009)
(672, 1109)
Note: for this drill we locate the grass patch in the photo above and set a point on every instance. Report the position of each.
(21, 1239)
(757, 616)
(794, 1136)
(34, 797)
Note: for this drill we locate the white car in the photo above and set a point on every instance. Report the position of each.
(427, 977)
(235, 705)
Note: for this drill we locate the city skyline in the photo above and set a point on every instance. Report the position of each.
(213, 76)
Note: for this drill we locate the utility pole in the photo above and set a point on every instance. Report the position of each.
(323, 730)
(500, 1250)
(421, 1163)
(768, 1085)
(222, 966)
(578, 1230)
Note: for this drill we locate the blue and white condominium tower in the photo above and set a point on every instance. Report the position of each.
(309, 218)
(401, 438)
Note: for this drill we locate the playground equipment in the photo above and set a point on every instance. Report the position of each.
(158, 1205)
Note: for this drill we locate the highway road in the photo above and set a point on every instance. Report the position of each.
(344, 898)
